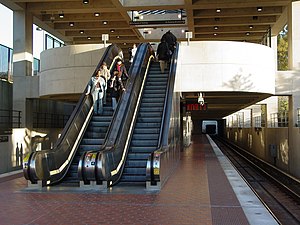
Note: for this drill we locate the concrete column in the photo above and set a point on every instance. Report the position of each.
(294, 35)
(22, 59)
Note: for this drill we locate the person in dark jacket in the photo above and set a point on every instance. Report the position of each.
(163, 54)
(171, 39)
(116, 88)
(122, 69)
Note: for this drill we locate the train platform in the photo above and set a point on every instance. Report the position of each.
(205, 189)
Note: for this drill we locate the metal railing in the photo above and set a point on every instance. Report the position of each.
(10, 119)
(49, 120)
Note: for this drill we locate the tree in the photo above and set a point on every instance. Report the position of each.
(282, 49)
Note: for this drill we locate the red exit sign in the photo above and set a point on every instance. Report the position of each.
(196, 107)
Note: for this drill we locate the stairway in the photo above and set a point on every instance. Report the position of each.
(146, 132)
(91, 141)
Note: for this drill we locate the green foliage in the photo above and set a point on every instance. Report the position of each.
(282, 49)
(283, 104)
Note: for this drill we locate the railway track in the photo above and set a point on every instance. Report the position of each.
(279, 191)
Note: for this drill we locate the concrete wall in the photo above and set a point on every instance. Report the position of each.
(67, 70)
(11, 154)
(258, 141)
(231, 66)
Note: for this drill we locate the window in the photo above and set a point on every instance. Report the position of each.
(51, 42)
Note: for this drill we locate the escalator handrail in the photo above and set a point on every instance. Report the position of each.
(40, 160)
(165, 121)
(107, 161)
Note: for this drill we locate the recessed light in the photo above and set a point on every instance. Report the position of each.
(251, 26)
(118, 37)
(215, 34)
(259, 9)
(248, 33)
(71, 24)
(218, 10)
(89, 38)
(105, 22)
(112, 30)
(85, 1)
(81, 31)
(61, 15)
(96, 14)
(216, 27)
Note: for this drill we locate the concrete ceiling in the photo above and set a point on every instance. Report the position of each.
(235, 20)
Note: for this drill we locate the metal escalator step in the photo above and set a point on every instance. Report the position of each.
(152, 109)
(147, 99)
(99, 124)
(157, 79)
(126, 178)
(154, 95)
(134, 171)
(84, 148)
(89, 134)
(156, 83)
(147, 125)
(144, 136)
(102, 118)
(146, 131)
(136, 163)
(152, 87)
(152, 104)
(145, 150)
(97, 129)
(144, 142)
(149, 119)
(86, 141)
(150, 114)
(137, 156)
(155, 91)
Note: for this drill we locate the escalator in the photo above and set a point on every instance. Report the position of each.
(93, 139)
(83, 132)
(147, 127)
(144, 148)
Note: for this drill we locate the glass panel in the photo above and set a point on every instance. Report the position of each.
(56, 44)
(36, 66)
(49, 42)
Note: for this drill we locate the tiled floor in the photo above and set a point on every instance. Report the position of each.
(197, 193)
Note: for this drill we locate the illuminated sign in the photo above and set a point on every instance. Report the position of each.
(196, 107)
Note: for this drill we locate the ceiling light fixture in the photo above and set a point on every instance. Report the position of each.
(96, 14)
(61, 15)
(259, 9)
(218, 10)
(85, 1)
(81, 31)
(118, 37)
(248, 33)
(105, 22)
(71, 24)
(215, 34)
(216, 27)
(251, 26)
(112, 30)
(89, 38)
